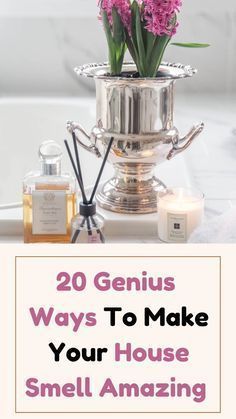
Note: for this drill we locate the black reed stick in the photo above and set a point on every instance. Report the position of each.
(85, 201)
(77, 157)
(75, 236)
(78, 231)
(101, 170)
(90, 233)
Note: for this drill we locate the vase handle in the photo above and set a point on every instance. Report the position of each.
(183, 143)
(72, 127)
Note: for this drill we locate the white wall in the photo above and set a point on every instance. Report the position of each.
(42, 40)
(46, 8)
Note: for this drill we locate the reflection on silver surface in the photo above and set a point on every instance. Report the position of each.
(138, 113)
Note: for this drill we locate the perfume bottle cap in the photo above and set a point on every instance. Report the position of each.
(87, 210)
(50, 155)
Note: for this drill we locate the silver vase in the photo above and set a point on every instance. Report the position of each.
(138, 114)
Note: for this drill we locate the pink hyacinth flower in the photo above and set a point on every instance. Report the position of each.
(122, 7)
(159, 15)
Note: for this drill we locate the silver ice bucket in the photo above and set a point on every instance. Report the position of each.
(138, 114)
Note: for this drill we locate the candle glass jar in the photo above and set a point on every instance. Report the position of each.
(180, 212)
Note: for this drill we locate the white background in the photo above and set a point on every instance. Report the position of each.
(42, 40)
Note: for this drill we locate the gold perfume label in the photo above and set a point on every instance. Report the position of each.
(55, 187)
(49, 214)
(177, 227)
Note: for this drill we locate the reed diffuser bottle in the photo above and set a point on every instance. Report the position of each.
(87, 226)
(49, 199)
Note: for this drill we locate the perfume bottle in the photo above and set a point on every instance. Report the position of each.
(87, 226)
(49, 199)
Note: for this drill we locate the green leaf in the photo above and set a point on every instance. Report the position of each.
(130, 45)
(157, 54)
(145, 33)
(131, 39)
(158, 50)
(150, 44)
(116, 47)
(139, 35)
(107, 29)
(118, 28)
(190, 45)
(133, 26)
(120, 57)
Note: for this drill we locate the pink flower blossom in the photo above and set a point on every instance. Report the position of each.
(159, 15)
(123, 8)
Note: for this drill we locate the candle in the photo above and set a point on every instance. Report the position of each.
(180, 212)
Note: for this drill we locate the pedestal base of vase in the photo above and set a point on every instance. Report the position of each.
(131, 193)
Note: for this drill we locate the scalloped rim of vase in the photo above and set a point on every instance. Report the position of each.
(167, 71)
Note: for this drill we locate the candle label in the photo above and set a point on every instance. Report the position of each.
(177, 227)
